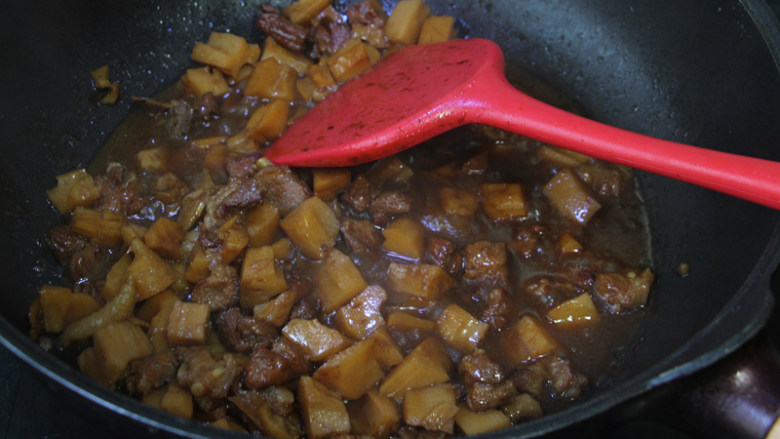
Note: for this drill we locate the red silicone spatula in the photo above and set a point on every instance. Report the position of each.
(425, 90)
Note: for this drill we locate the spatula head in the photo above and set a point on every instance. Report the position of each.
(410, 96)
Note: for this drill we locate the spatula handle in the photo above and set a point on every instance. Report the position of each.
(748, 178)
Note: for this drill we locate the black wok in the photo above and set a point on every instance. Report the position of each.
(700, 72)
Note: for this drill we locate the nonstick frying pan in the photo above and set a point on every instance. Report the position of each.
(702, 72)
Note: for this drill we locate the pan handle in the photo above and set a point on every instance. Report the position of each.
(738, 397)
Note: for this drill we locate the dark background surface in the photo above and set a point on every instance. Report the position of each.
(29, 408)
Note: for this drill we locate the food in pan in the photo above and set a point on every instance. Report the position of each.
(474, 282)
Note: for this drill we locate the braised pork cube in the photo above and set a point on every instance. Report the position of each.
(275, 366)
(243, 333)
(361, 236)
(282, 187)
(152, 372)
(391, 204)
(498, 309)
(359, 194)
(623, 292)
(439, 251)
(269, 412)
(219, 290)
(485, 262)
(565, 382)
(529, 240)
(207, 376)
(486, 387)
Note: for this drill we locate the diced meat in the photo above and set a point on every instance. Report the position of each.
(178, 120)
(88, 262)
(65, 242)
(269, 411)
(282, 30)
(602, 178)
(582, 272)
(393, 203)
(239, 193)
(242, 167)
(219, 290)
(622, 292)
(329, 33)
(244, 193)
(306, 308)
(244, 333)
(485, 262)
(565, 382)
(528, 241)
(441, 251)
(170, 189)
(365, 13)
(499, 307)
(367, 20)
(266, 368)
(486, 387)
(119, 192)
(359, 194)
(486, 396)
(360, 236)
(206, 376)
(553, 374)
(275, 366)
(549, 291)
(531, 379)
(282, 187)
(206, 105)
(479, 367)
(147, 374)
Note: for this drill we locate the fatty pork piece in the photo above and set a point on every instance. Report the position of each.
(278, 365)
(550, 376)
(623, 292)
(244, 333)
(486, 383)
(359, 194)
(206, 376)
(219, 290)
(251, 184)
(152, 372)
(270, 411)
(120, 191)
